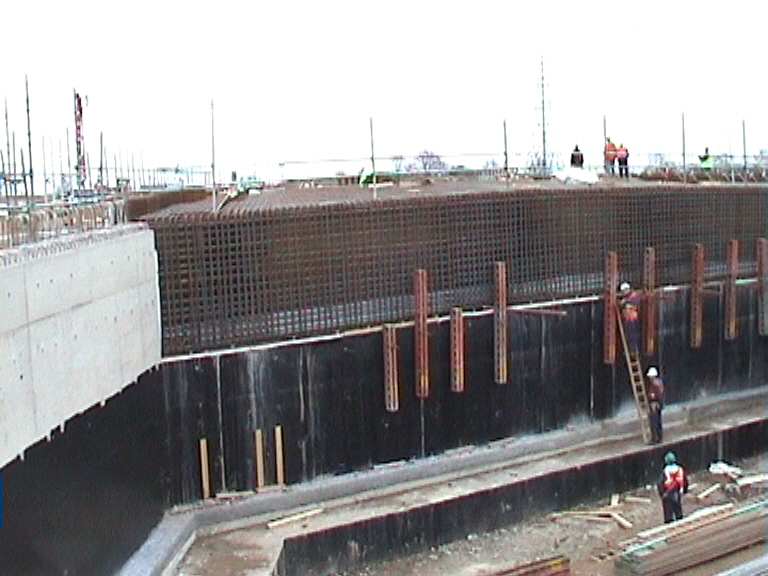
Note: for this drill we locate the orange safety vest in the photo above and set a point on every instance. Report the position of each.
(610, 151)
(622, 153)
(674, 478)
(629, 307)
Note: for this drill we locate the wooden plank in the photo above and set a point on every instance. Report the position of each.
(620, 520)
(294, 518)
(279, 460)
(457, 350)
(391, 379)
(730, 290)
(697, 281)
(258, 441)
(204, 472)
(649, 302)
(500, 323)
(636, 499)
(611, 279)
(708, 491)
(420, 332)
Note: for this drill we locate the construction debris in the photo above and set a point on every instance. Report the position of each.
(708, 491)
(725, 469)
(294, 518)
(636, 499)
(557, 566)
(670, 548)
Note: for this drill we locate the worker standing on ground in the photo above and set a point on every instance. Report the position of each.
(610, 157)
(577, 158)
(629, 303)
(707, 161)
(622, 155)
(655, 403)
(672, 484)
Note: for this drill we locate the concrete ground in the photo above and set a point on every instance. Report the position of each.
(234, 538)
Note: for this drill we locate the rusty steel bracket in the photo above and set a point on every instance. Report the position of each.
(697, 283)
(500, 323)
(609, 307)
(730, 289)
(391, 384)
(421, 344)
(457, 350)
(649, 301)
(762, 286)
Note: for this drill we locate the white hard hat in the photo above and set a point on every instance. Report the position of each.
(652, 372)
(624, 287)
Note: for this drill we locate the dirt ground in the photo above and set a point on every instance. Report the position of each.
(591, 546)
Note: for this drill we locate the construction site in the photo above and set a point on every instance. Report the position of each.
(429, 376)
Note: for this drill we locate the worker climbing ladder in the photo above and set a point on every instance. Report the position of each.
(637, 382)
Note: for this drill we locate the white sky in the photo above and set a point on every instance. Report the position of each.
(299, 80)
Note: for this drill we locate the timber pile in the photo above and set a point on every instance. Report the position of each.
(695, 540)
(557, 566)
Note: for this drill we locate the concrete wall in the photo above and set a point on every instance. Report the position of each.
(79, 320)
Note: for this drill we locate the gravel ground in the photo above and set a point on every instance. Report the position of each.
(589, 545)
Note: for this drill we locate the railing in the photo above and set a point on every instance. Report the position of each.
(40, 224)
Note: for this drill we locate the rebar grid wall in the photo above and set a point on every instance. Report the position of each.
(253, 274)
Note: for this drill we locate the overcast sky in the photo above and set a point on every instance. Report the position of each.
(299, 80)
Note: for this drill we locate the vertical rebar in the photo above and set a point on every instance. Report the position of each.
(69, 159)
(506, 156)
(101, 159)
(45, 176)
(744, 142)
(29, 143)
(15, 187)
(543, 123)
(213, 159)
(373, 159)
(685, 169)
(8, 148)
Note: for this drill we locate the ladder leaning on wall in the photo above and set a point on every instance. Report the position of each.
(636, 381)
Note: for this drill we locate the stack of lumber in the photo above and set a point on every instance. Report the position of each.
(557, 566)
(709, 534)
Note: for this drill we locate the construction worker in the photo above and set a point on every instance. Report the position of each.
(707, 161)
(622, 155)
(672, 484)
(577, 158)
(629, 303)
(610, 156)
(655, 403)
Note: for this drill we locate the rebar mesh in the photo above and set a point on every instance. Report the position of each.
(254, 273)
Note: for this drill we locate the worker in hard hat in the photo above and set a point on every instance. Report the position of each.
(622, 156)
(629, 303)
(609, 152)
(577, 158)
(672, 484)
(655, 403)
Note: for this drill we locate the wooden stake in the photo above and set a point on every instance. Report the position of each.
(280, 472)
(258, 441)
(204, 469)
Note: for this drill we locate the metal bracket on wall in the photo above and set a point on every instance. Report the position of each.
(500, 323)
(421, 344)
(609, 307)
(697, 284)
(732, 262)
(391, 386)
(762, 286)
(649, 302)
(457, 350)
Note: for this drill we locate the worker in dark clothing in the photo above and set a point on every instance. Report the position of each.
(629, 303)
(655, 403)
(577, 158)
(622, 155)
(672, 484)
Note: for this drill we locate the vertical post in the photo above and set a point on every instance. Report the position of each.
(391, 387)
(744, 142)
(45, 176)
(500, 322)
(134, 185)
(29, 143)
(649, 302)
(697, 284)
(457, 350)
(611, 279)
(685, 169)
(61, 168)
(204, 472)
(543, 123)
(101, 158)
(213, 158)
(258, 443)
(5, 176)
(8, 148)
(15, 172)
(279, 458)
(506, 156)
(53, 169)
(605, 130)
(420, 331)
(373, 159)
(143, 176)
(762, 287)
(26, 190)
(69, 158)
(732, 263)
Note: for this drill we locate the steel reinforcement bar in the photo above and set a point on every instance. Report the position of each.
(251, 273)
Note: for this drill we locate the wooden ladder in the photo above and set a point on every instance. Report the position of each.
(637, 382)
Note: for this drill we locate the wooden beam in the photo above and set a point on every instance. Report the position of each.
(391, 384)
(279, 457)
(500, 322)
(611, 279)
(421, 343)
(649, 302)
(732, 262)
(204, 472)
(258, 443)
(762, 286)
(457, 350)
(697, 280)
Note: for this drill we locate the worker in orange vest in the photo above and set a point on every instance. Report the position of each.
(622, 155)
(610, 156)
(672, 484)
(629, 303)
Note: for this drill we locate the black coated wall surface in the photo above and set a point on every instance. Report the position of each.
(87, 498)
